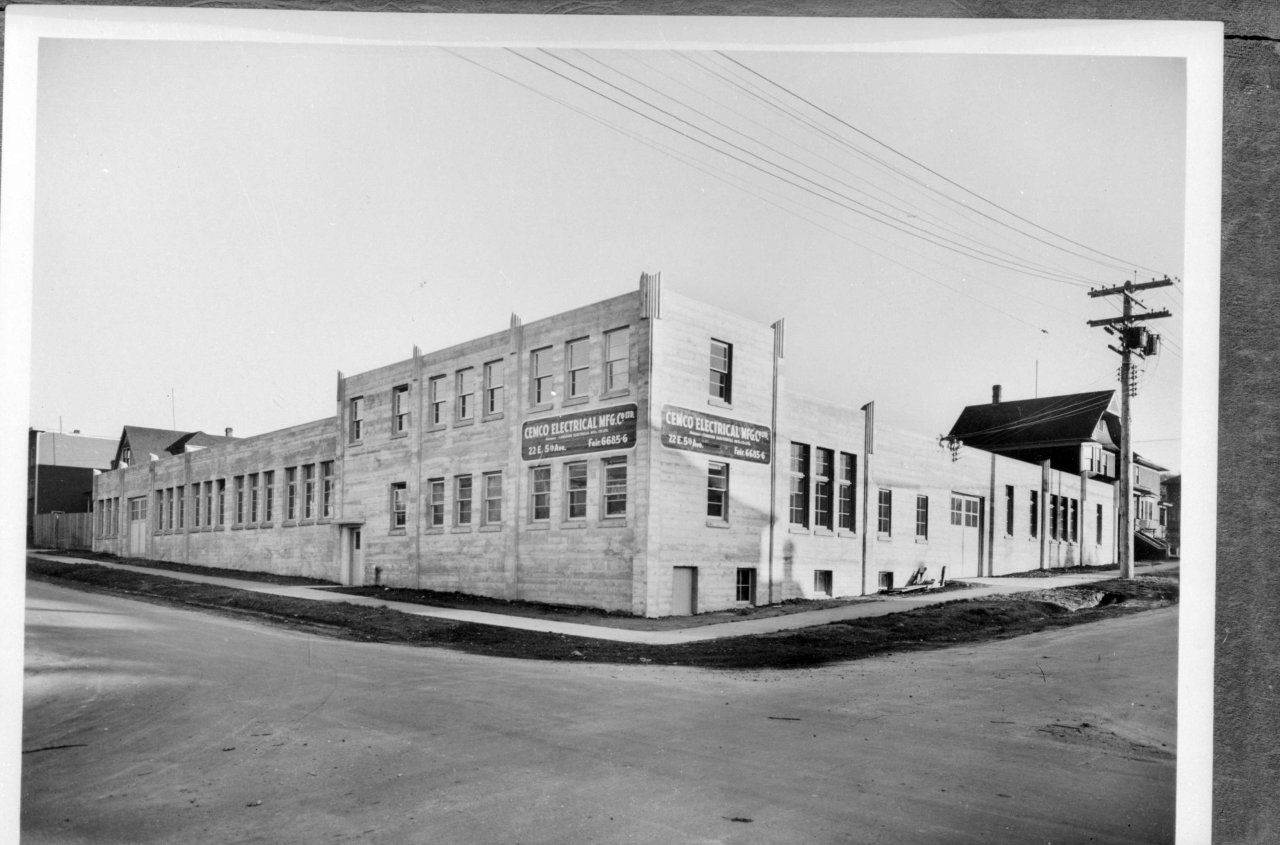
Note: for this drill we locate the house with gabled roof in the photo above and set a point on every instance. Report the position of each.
(1076, 432)
(139, 443)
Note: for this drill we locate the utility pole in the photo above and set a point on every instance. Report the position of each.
(1134, 340)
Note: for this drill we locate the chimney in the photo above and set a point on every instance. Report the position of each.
(995, 397)
(228, 432)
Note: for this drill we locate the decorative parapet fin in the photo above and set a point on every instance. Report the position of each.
(517, 333)
(779, 338)
(650, 296)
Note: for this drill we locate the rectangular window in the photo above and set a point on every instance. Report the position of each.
(291, 493)
(180, 494)
(435, 503)
(239, 500)
(539, 494)
(1053, 516)
(822, 582)
(615, 487)
(1073, 520)
(462, 500)
(957, 511)
(971, 513)
(357, 419)
(824, 465)
(745, 589)
(493, 380)
(540, 376)
(327, 482)
(799, 505)
(922, 517)
(400, 409)
(617, 368)
(269, 495)
(208, 502)
(399, 504)
(884, 512)
(1035, 513)
(575, 490)
(195, 505)
(435, 400)
(492, 498)
(1008, 510)
(848, 491)
(577, 355)
(466, 394)
(721, 370)
(255, 497)
(1099, 541)
(718, 491)
(309, 491)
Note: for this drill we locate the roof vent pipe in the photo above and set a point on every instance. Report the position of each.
(995, 394)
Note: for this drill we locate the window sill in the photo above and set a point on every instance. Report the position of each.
(613, 522)
(616, 394)
(399, 435)
(717, 523)
(574, 526)
(396, 532)
(720, 403)
(463, 423)
(219, 528)
(264, 525)
(798, 529)
(355, 442)
(324, 520)
(847, 534)
(437, 427)
(237, 528)
(435, 529)
(823, 532)
(540, 407)
(884, 538)
(491, 417)
(924, 541)
(489, 529)
(307, 521)
(290, 523)
(460, 529)
(539, 526)
(575, 400)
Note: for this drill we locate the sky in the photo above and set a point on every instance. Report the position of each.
(222, 225)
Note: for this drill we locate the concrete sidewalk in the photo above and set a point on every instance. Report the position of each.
(871, 606)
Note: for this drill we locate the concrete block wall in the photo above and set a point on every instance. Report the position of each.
(802, 551)
(587, 562)
(681, 532)
(302, 546)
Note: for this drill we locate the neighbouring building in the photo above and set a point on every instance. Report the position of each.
(60, 470)
(641, 454)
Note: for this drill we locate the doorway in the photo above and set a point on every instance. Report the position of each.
(684, 590)
(352, 556)
(966, 535)
(137, 526)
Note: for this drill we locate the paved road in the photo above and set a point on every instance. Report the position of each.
(146, 723)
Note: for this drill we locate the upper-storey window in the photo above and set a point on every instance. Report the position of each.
(799, 499)
(435, 400)
(617, 364)
(493, 381)
(577, 355)
(721, 370)
(466, 394)
(540, 377)
(848, 491)
(357, 418)
(400, 409)
(822, 484)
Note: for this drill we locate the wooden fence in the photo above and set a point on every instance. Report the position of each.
(64, 530)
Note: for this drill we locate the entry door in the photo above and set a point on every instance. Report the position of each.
(684, 590)
(137, 526)
(354, 564)
(966, 536)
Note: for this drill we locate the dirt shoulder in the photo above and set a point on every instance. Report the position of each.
(937, 626)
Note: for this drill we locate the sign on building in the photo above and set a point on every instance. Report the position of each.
(693, 431)
(580, 433)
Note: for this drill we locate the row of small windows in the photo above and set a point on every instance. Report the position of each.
(1064, 517)
(309, 492)
(461, 510)
(482, 393)
(106, 516)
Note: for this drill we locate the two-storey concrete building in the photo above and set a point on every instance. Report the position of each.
(641, 454)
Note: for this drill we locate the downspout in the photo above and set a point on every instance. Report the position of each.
(778, 337)
(868, 447)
